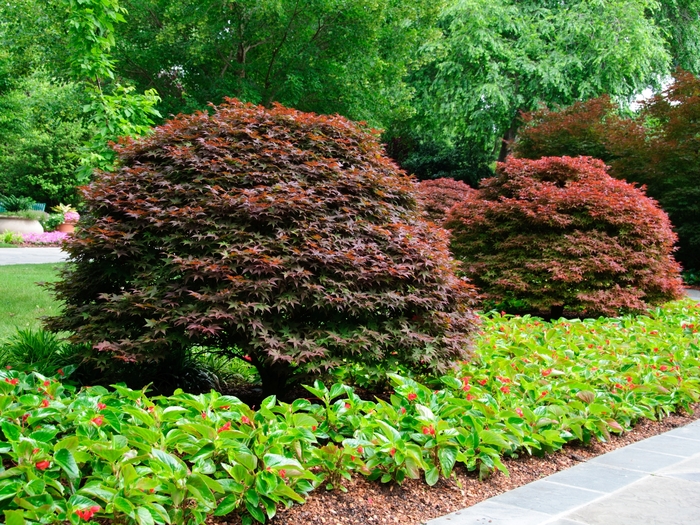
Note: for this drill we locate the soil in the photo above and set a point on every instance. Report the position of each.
(414, 503)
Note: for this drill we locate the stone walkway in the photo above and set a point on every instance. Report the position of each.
(31, 255)
(652, 482)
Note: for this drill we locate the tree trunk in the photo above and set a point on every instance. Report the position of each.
(507, 140)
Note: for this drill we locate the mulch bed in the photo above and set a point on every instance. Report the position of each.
(414, 503)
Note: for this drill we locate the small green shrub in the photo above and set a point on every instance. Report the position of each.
(16, 204)
(51, 221)
(11, 238)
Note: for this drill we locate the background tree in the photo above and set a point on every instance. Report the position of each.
(498, 58)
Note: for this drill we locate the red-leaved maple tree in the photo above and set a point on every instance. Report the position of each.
(281, 237)
(439, 195)
(560, 235)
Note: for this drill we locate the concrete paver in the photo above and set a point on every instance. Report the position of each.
(652, 482)
(38, 255)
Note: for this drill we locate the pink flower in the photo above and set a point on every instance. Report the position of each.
(519, 411)
(246, 420)
(101, 406)
(71, 216)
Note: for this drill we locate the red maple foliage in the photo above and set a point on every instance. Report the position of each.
(559, 234)
(439, 195)
(281, 237)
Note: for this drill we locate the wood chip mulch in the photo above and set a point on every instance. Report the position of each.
(414, 503)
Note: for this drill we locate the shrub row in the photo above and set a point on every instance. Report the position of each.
(70, 456)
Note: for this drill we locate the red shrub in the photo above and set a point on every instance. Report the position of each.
(561, 234)
(439, 195)
(282, 237)
(581, 129)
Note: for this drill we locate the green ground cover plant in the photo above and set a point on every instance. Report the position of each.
(23, 301)
(69, 456)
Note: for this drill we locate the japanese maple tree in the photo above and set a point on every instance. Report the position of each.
(439, 195)
(560, 235)
(281, 237)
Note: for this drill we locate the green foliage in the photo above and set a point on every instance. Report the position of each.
(531, 388)
(562, 235)
(41, 132)
(273, 234)
(498, 58)
(36, 351)
(327, 56)
(13, 204)
(51, 221)
(10, 238)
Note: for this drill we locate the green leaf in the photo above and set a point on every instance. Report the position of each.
(14, 517)
(447, 456)
(432, 476)
(227, 505)
(64, 458)
(12, 432)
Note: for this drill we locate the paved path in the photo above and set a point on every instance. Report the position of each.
(652, 482)
(693, 294)
(31, 255)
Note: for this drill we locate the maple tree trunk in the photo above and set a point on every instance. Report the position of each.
(507, 139)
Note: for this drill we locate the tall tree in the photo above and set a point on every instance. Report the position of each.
(327, 56)
(500, 57)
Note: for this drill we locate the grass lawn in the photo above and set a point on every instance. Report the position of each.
(22, 301)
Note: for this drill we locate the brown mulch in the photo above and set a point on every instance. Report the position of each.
(414, 503)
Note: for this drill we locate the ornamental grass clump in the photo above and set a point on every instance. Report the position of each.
(559, 234)
(280, 237)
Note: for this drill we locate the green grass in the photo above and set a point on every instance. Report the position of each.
(22, 301)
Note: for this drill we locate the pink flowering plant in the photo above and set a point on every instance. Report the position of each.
(71, 216)
(44, 239)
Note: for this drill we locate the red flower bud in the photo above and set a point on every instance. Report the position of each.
(98, 420)
(44, 403)
(412, 396)
(246, 421)
(546, 372)
(283, 473)
(347, 406)
(14, 381)
(392, 452)
(101, 406)
(519, 411)
(42, 465)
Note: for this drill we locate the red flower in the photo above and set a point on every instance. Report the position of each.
(224, 407)
(663, 368)
(519, 411)
(347, 406)
(505, 389)
(544, 393)
(47, 383)
(503, 379)
(101, 406)
(226, 426)
(482, 382)
(360, 450)
(246, 420)
(60, 372)
(466, 387)
(412, 396)
(403, 410)
(42, 465)
(35, 451)
(87, 514)
(313, 428)
(429, 431)
(44, 403)
(546, 372)
(98, 420)
(283, 473)
(151, 409)
(470, 397)
(204, 415)
(392, 452)
(14, 381)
